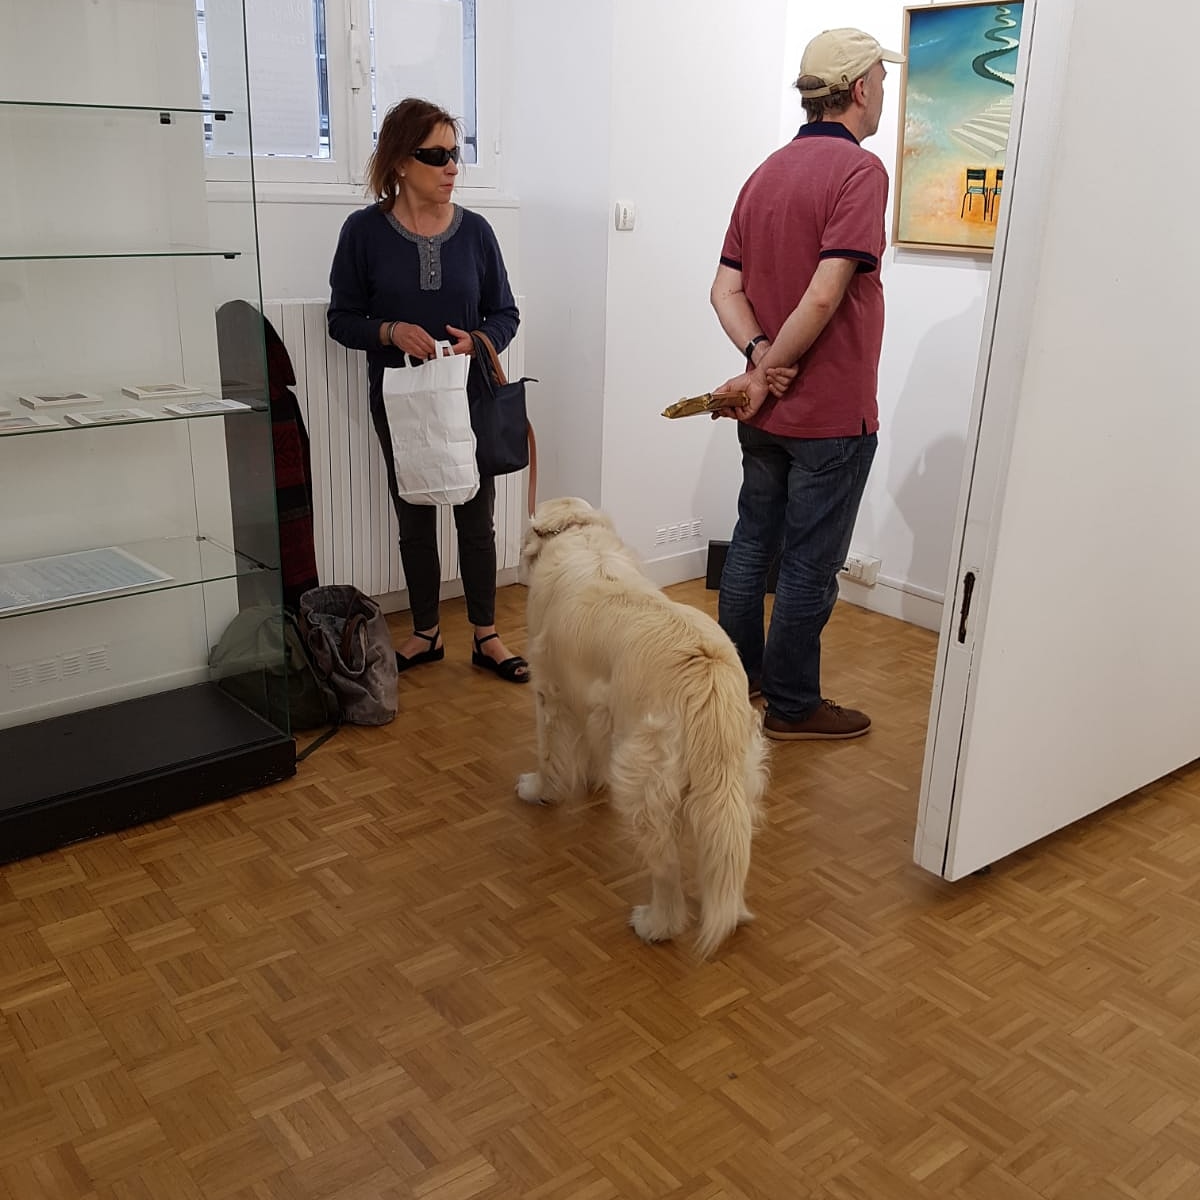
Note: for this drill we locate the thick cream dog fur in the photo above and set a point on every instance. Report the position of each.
(648, 698)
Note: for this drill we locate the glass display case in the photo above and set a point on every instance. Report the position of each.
(138, 511)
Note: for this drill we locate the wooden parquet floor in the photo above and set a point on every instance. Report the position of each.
(390, 979)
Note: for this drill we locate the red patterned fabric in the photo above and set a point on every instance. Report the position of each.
(293, 474)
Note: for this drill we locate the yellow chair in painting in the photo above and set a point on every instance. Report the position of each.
(976, 186)
(994, 196)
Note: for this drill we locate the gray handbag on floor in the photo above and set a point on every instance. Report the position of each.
(347, 635)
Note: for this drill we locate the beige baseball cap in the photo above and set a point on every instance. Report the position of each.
(838, 57)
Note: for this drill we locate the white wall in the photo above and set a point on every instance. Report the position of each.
(667, 112)
(689, 133)
(556, 146)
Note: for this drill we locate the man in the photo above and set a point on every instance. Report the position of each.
(798, 288)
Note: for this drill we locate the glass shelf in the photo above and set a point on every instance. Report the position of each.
(113, 402)
(185, 561)
(219, 113)
(32, 255)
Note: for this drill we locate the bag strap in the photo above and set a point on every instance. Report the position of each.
(354, 636)
(532, 467)
(494, 372)
(318, 742)
(491, 358)
(297, 622)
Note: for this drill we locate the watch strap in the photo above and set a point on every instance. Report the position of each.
(749, 351)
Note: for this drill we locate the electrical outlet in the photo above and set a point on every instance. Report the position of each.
(861, 568)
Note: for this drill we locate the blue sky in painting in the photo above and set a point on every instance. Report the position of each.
(943, 42)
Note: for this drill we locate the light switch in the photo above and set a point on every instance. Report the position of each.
(625, 216)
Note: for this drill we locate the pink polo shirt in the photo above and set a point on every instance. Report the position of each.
(820, 196)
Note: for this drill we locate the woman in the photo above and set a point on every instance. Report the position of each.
(411, 270)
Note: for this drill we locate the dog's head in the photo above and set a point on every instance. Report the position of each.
(552, 518)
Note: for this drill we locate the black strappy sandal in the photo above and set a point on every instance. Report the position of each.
(435, 653)
(509, 668)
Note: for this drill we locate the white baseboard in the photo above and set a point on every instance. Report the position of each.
(678, 568)
(891, 597)
(894, 598)
(672, 568)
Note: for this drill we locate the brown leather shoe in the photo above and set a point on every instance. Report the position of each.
(826, 721)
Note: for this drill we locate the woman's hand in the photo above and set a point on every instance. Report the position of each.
(412, 339)
(460, 340)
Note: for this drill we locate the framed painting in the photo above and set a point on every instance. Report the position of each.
(955, 108)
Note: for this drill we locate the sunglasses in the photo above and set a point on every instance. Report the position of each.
(435, 156)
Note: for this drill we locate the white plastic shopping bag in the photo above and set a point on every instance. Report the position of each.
(429, 420)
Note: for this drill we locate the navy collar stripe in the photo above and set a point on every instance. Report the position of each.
(825, 129)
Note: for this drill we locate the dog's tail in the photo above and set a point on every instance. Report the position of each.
(728, 768)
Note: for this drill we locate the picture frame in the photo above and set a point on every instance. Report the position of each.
(25, 423)
(956, 97)
(160, 391)
(109, 416)
(205, 405)
(69, 399)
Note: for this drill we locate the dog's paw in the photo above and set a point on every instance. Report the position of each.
(745, 916)
(529, 788)
(654, 927)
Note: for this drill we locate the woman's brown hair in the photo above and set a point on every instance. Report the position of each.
(405, 127)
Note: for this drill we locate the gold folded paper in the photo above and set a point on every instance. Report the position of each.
(689, 406)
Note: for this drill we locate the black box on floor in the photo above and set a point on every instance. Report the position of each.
(716, 564)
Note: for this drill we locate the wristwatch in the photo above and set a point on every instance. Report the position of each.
(749, 351)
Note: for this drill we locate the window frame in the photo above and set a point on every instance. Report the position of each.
(351, 138)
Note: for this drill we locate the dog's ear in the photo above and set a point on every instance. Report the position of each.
(567, 512)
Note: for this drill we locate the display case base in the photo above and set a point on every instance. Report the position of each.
(95, 772)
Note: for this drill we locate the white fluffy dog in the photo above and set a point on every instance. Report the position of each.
(648, 697)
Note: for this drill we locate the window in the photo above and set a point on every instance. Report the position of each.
(319, 96)
(289, 76)
(425, 49)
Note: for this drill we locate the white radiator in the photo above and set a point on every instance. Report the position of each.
(354, 524)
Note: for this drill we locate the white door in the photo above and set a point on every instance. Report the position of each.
(1069, 666)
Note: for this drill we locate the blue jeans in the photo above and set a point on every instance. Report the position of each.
(799, 500)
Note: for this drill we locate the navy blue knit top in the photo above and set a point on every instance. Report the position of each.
(382, 272)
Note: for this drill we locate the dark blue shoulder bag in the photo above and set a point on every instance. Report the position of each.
(502, 430)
